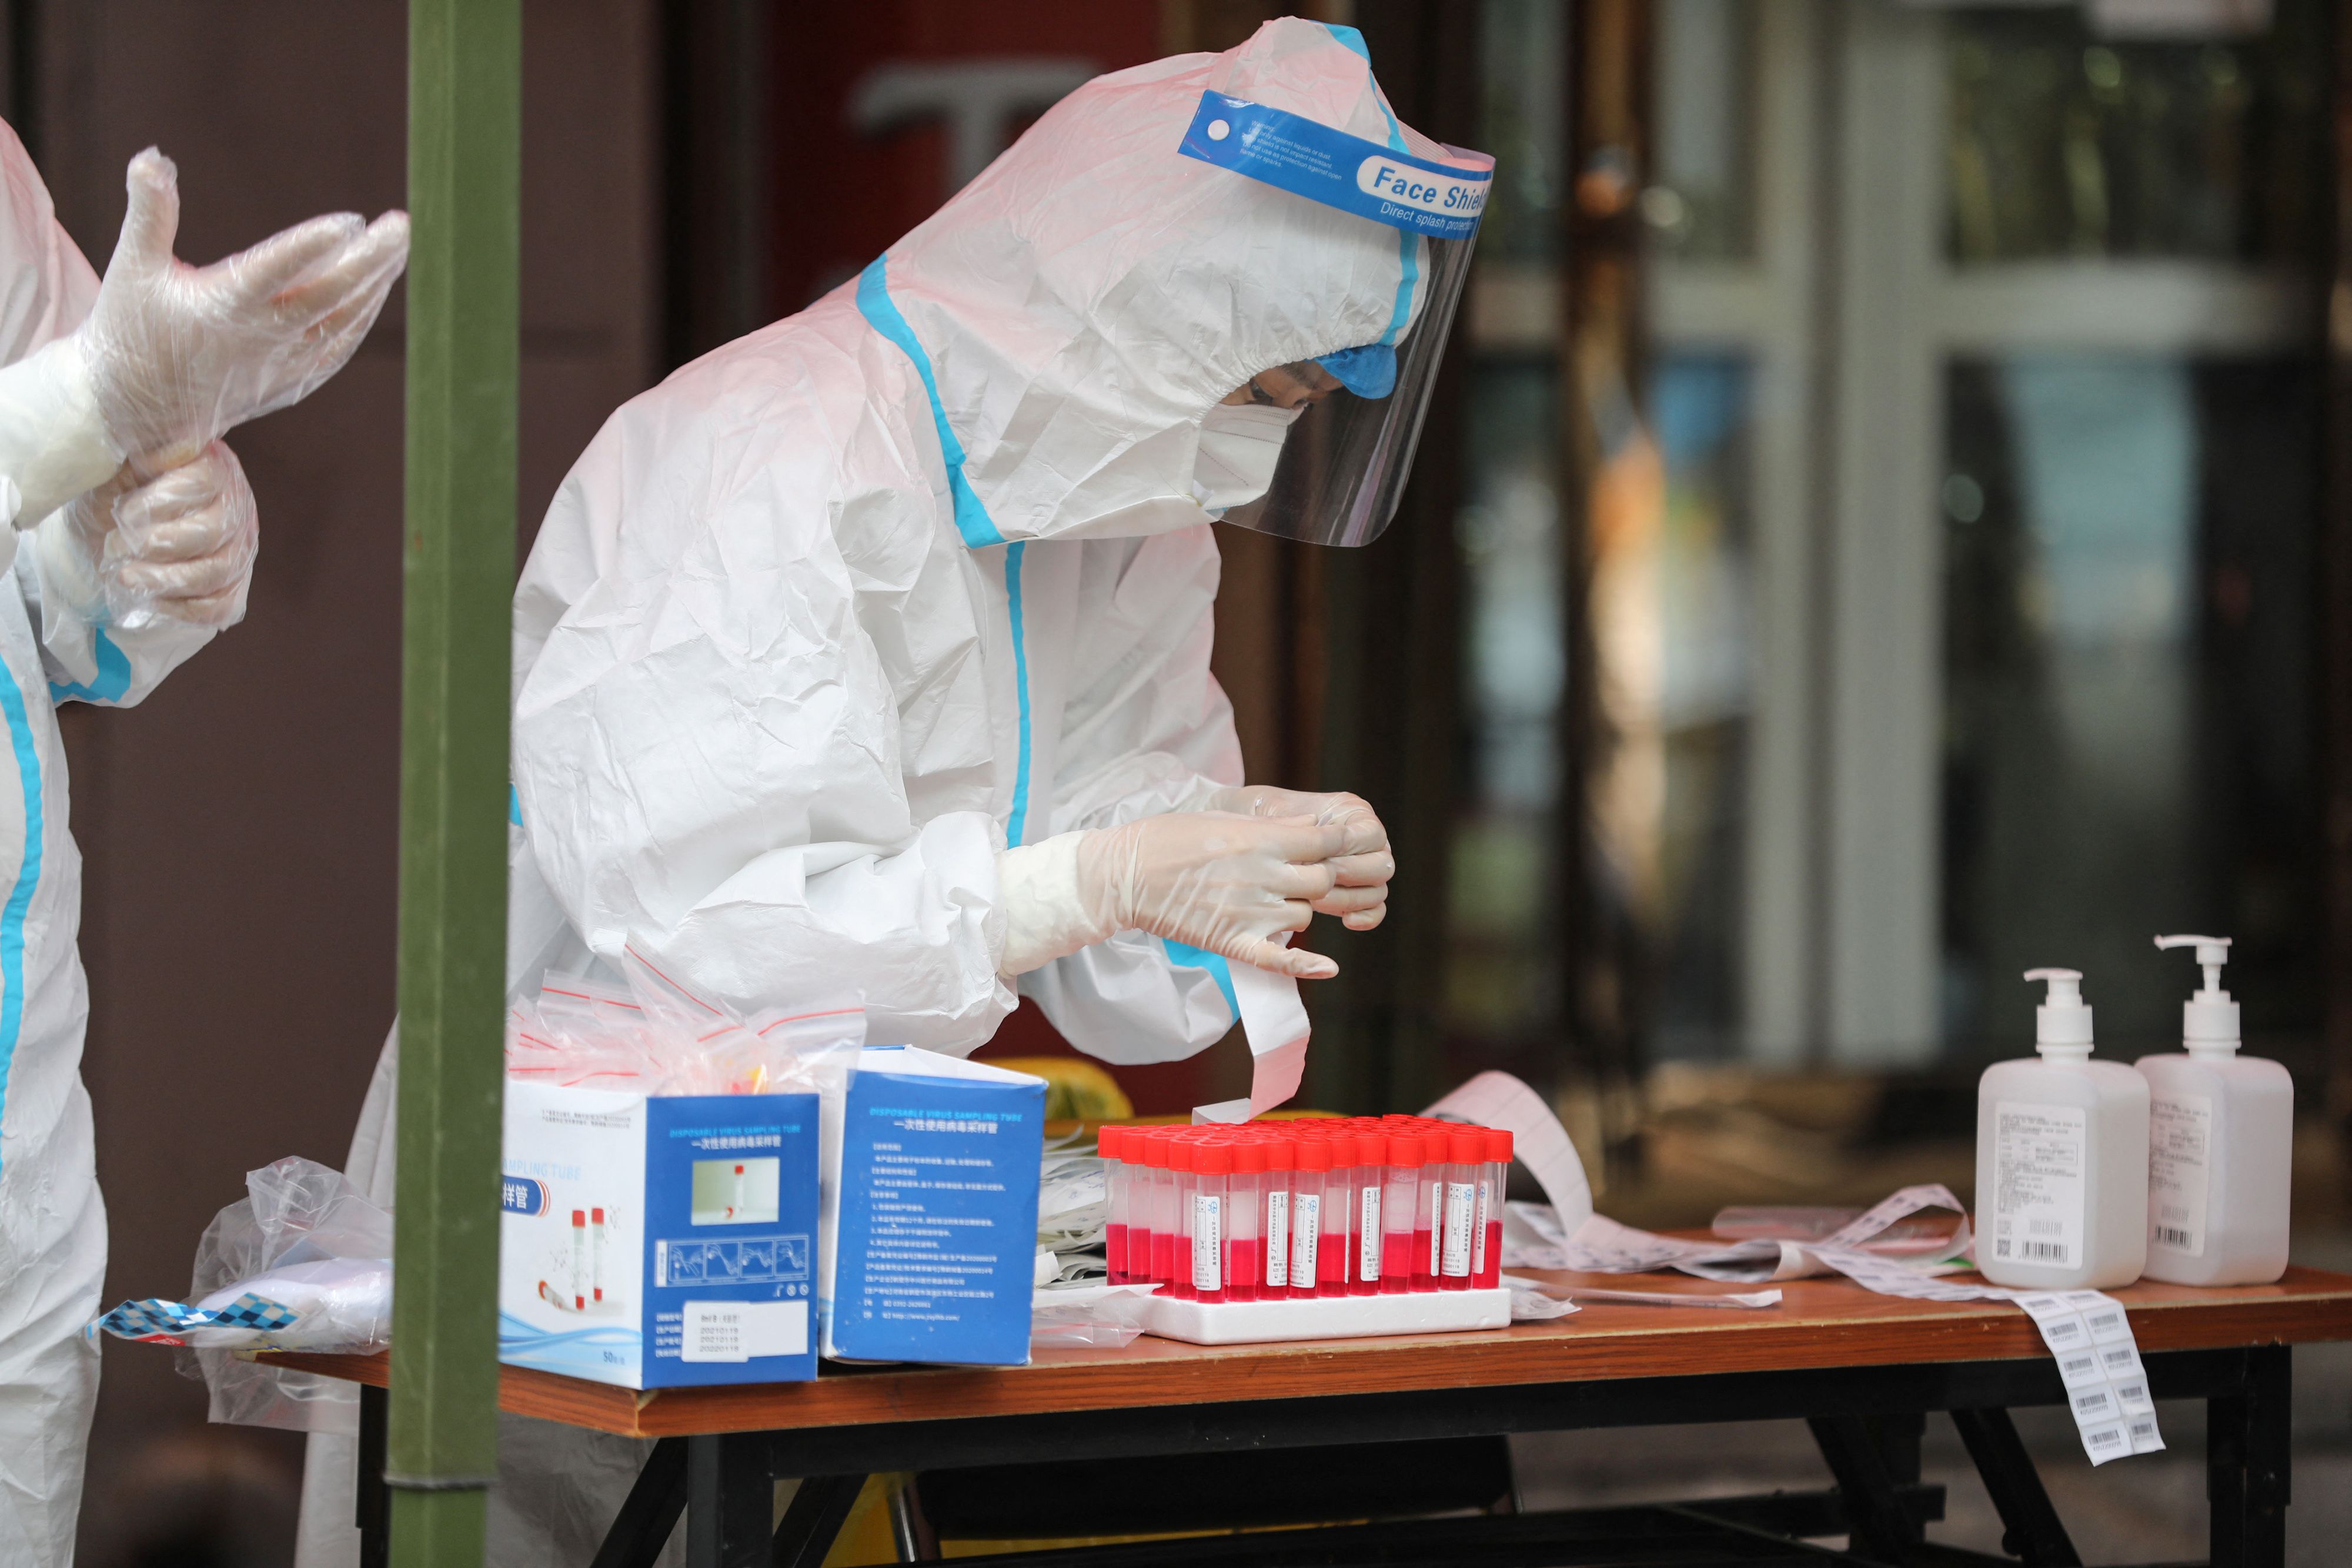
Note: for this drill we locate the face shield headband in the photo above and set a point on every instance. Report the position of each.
(1355, 412)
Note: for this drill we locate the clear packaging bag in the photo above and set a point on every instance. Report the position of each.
(1089, 1316)
(653, 1036)
(302, 1262)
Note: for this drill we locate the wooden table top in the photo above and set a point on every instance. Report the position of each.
(1819, 1322)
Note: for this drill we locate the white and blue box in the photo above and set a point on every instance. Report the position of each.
(930, 1241)
(659, 1241)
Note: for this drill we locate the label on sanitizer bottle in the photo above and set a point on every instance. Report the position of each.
(2041, 1154)
(1208, 1242)
(2180, 1171)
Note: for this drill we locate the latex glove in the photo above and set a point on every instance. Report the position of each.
(1359, 897)
(1213, 879)
(179, 355)
(179, 547)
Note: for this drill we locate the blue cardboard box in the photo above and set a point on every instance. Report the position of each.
(929, 1243)
(658, 1242)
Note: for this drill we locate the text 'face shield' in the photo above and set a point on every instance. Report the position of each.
(1319, 449)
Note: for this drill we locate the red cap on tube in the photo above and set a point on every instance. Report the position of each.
(1213, 1159)
(1312, 1154)
(1249, 1156)
(579, 1216)
(1108, 1140)
(1467, 1146)
(598, 1215)
(1498, 1145)
(1281, 1154)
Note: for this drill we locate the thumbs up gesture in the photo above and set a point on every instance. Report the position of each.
(179, 355)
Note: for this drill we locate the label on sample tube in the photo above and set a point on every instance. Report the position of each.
(1277, 1239)
(2040, 1162)
(1306, 1233)
(1461, 1209)
(1208, 1241)
(1478, 1229)
(1369, 1254)
(2180, 1171)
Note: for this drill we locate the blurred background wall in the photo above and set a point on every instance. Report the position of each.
(1877, 534)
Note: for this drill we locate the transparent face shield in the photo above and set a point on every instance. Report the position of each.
(1319, 449)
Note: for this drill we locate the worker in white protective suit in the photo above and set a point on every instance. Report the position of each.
(133, 542)
(872, 650)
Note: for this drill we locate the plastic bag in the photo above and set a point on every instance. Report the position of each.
(655, 1037)
(1086, 1317)
(1073, 1202)
(302, 1262)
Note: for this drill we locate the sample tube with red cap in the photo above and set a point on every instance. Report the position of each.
(1428, 1206)
(1204, 1168)
(1115, 1228)
(1183, 1158)
(1165, 1229)
(1281, 1155)
(1487, 1262)
(1336, 1255)
(1311, 1162)
(1245, 1205)
(1465, 1153)
(1399, 1192)
(1371, 1156)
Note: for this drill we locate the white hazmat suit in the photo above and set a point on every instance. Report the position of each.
(819, 628)
(89, 374)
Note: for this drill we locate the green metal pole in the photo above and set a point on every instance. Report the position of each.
(464, 183)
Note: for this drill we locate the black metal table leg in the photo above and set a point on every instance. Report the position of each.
(2248, 1463)
(819, 1508)
(730, 1501)
(647, 1518)
(1883, 1527)
(2030, 1530)
(372, 1499)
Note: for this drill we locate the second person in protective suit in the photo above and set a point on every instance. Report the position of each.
(872, 650)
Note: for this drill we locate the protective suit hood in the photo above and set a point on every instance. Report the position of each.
(1081, 305)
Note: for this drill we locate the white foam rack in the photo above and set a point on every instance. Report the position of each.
(1324, 1317)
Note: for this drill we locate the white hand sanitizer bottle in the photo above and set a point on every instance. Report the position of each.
(2061, 1158)
(2220, 1144)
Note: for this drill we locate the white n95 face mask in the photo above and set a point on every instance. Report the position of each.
(1240, 444)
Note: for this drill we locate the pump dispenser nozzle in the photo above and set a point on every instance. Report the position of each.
(2209, 1021)
(2062, 1024)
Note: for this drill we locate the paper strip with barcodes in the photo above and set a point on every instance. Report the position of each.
(2106, 1386)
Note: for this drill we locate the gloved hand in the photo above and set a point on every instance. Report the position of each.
(178, 547)
(1211, 880)
(1360, 895)
(178, 355)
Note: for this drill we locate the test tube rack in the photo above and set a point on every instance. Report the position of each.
(1312, 1228)
(1333, 1317)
